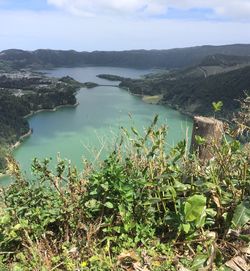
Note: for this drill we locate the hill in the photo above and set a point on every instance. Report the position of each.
(172, 58)
(192, 90)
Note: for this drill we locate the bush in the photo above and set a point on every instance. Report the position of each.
(142, 209)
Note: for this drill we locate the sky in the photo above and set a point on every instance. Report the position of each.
(89, 25)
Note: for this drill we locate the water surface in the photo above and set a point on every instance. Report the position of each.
(80, 133)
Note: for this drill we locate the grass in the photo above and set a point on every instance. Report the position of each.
(152, 99)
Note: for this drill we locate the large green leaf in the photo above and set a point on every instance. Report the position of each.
(241, 214)
(92, 204)
(199, 262)
(195, 210)
(109, 205)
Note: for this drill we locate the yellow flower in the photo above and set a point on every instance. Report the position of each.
(83, 264)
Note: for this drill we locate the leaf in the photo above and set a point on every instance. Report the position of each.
(17, 227)
(105, 186)
(93, 192)
(109, 205)
(134, 131)
(5, 219)
(245, 237)
(155, 119)
(138, 145)
(199, 262)
(186, 227)
(200, 140)
(180, 186)
(92, 204)
(211, 212)
(241, 214)
(195, 210)
(217, 106)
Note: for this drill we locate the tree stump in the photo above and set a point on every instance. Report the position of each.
(211, 131)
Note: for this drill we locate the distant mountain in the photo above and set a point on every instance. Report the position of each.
(169, 59)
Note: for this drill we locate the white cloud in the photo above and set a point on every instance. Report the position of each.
(57, 30)
(237, 9)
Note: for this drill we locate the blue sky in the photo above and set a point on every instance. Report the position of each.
(24, 4)
(122, 24)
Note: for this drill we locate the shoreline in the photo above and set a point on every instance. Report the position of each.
(32, 113)
(29, 133)
(174, 107)
(13, 147)
(20, 140)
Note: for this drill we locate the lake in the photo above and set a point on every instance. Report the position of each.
(80, 133)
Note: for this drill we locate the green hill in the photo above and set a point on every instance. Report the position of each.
(193, 90)
(172, 58)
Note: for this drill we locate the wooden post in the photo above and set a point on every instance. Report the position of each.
(211, 130)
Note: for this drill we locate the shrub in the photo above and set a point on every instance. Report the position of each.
(142, 209)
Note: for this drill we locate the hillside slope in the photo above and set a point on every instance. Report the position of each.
(193, 90)
(172, 58)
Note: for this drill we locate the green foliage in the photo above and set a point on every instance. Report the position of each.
(241, 214)
(200, 140)
(37, 93)
(140, 207)
(195, 210)
(3, 154)
(217, 106)
(188, 89)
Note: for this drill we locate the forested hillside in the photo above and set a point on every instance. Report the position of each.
(172, 58)
(195, 95)
(22, 93)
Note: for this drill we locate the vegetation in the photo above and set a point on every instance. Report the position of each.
(169, 59)
(224, 60)
(110, 77)
(141, 209)
(152, 99)
(22, 94)
(192, 92)
(210, 76)
(3, 154)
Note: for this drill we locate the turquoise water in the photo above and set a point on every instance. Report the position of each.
(80, 133)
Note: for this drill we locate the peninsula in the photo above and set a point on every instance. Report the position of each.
(24, 92)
